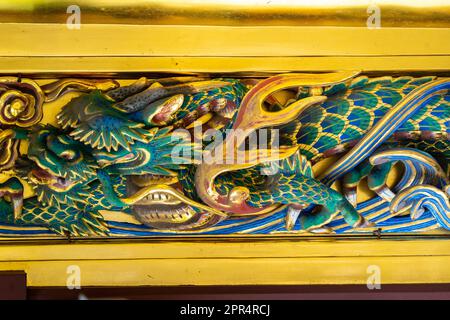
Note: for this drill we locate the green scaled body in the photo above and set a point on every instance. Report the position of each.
(350, 111)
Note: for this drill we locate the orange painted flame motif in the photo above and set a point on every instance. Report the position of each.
(252, 116)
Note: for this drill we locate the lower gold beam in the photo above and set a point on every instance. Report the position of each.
(235, 65)
(208, 262)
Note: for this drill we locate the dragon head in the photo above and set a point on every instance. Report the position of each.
(60, 166)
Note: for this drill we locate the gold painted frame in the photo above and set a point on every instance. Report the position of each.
(112, 47)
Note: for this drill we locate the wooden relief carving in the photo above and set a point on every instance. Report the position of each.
(289, 154)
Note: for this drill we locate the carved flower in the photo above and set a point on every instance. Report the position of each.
(20, 102)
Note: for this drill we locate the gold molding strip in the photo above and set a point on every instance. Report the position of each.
(57, 66)
(399, 13)
(408, 41)
(219, 41)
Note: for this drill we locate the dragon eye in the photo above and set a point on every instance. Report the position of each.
(68, 154)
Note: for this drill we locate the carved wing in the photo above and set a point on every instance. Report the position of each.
(96, 123)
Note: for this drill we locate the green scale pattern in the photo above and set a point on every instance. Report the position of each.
(350, 111)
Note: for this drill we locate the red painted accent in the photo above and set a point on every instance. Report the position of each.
(261, 292)
(250, 95)
(13, 285)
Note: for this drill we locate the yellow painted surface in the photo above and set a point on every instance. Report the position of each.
(219, 41)
(54, 49)
(244, 66)
(395, 13)
(209, 262)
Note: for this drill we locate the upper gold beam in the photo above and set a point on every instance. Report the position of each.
(53, 48)
(394, 13)
(56, 40)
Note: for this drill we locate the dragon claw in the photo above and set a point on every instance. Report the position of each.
(322, 230)
(291, 217)
(17, 202)
(12, 189)
(351, 195)
(363, 223)
(292, 214)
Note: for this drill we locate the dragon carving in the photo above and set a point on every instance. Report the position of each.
(187, 154)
